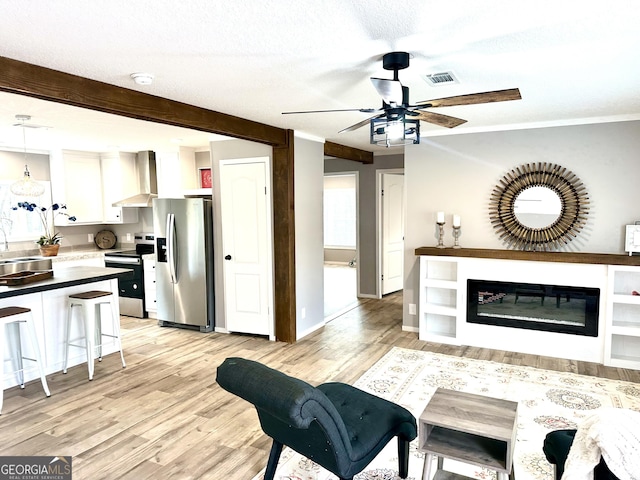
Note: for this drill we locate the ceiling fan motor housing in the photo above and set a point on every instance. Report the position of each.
(395, 61)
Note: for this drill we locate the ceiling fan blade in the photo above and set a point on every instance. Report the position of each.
(364, 122)
(364, 110)
(475, 98)
(439, 119)
(389, 90)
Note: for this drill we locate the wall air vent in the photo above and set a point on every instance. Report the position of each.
(442, 78)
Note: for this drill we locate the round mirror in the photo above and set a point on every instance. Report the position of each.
(537, 207)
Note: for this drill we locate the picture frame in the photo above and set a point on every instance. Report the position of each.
(205, 177)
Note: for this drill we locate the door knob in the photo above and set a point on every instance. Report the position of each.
(227, 257)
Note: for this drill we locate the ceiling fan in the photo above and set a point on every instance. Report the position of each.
(396, 106)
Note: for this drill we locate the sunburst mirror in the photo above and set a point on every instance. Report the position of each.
(539, 206)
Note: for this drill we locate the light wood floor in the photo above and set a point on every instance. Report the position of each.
(164, 415)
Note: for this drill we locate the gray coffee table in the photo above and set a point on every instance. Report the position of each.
(468, 428)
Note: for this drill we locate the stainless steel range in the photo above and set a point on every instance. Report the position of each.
(131, 287)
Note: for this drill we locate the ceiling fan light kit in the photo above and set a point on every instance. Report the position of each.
(395, 133)
(142, 78)
(397, 122)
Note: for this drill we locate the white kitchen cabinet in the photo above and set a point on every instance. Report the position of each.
(119, 181)
(622, 335)
(76, 181)
(149, 267)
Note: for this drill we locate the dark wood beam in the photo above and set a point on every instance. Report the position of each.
(284, 241)
(47, 84)
(347, 153)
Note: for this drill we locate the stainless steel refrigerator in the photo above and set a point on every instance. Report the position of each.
(183, 230)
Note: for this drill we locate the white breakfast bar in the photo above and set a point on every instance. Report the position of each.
(47, 300)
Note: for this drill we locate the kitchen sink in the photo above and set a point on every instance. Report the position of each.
(20, 264)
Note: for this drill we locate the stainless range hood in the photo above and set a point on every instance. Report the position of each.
(147, 182)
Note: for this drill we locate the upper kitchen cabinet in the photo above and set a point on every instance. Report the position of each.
(89, 183)
(76, 180)
(119, 180)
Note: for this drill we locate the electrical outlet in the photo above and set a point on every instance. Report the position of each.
(412, 309)
(303, 312)
(128, 237)
(90, 237)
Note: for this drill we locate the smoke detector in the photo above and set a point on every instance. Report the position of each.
(142, 78)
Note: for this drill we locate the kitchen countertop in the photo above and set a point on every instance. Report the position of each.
(65, 277)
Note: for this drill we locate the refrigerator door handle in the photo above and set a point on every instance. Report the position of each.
(171, 246)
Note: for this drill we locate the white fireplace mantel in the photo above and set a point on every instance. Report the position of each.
(443, 298)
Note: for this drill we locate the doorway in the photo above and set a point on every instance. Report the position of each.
(340, 215)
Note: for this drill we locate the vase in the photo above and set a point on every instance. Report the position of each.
(49, 250)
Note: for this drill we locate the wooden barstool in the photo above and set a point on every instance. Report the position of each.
(90, 303)
(10, 319)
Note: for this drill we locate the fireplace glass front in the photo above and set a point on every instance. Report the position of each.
(551, 308)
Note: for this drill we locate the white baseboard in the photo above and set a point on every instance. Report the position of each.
(408, 328)
(220, 330)
(310, 330)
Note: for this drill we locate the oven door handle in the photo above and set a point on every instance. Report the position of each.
(171, 246)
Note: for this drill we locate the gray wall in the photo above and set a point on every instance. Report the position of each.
(309, 182)
(367, 212)
(457, 173)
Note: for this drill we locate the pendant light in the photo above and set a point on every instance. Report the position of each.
(26, 186)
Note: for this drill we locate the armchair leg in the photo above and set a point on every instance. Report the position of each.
(274, 456)
(403, 458)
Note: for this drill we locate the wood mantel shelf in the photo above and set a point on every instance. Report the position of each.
(562, 257)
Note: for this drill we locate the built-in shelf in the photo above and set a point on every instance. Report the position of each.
(622, 341)
(442, 300)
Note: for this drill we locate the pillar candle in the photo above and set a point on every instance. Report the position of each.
(456, 220)
(440, 217)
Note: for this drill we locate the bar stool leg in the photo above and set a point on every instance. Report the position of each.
(116, 328)
(98, 324)
(67, 334)
(90, 335)
(31, 330)
(15, 344)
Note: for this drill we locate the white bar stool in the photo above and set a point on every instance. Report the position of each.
(10, 319)
(90, 303)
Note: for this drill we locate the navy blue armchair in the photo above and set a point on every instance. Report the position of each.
(339, 427)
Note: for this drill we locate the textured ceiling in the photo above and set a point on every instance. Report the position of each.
(574, 62)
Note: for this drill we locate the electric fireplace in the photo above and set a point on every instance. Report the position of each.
(551, 308)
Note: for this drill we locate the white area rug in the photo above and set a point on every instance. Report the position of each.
(547, 400)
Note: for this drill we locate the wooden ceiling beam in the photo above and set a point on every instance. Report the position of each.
(347, 153)
(47, 84)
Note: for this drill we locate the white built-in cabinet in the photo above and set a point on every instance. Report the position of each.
(89, 182)
(439, 300)
(119, 181)
(622, 342)
(442, 308)
(76, 181)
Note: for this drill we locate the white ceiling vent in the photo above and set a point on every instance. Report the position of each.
(442, 78)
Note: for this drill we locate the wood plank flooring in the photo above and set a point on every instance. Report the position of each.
(164, 415)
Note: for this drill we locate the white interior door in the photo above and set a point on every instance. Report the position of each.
(392, 232)
(245, 228)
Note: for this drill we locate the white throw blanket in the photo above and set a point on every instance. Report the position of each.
(614, 434)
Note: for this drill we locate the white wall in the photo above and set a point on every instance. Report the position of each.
(308, 178)
(457, 173)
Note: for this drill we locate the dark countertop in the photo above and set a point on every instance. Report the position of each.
(65, 277)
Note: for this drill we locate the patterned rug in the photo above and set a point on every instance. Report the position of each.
(548, 400)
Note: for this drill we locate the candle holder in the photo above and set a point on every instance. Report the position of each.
(440, 235)
(456, 236)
